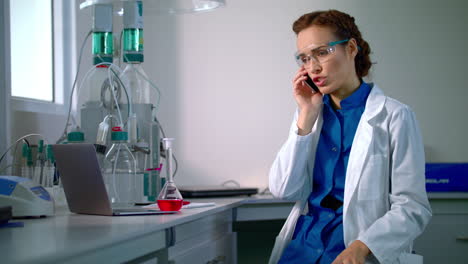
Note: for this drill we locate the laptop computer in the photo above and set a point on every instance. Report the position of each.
(215, 191)
(83, 183)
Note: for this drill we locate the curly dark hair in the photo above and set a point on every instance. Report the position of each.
(345, 28)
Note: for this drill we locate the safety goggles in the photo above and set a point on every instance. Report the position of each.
(320, 54)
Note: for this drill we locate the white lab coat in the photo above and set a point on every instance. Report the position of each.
(385, 200)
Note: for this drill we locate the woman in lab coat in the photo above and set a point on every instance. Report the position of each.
(354, 158)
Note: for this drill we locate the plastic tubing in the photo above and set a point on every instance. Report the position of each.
(91, 70)
(78, 91)
(109, 116)
(114, 168)
(151, 84)
(111, 82)
(14, 144)
(104, 129)
(127, 92)
(73, 87)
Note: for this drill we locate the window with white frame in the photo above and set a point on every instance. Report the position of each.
(41, 48)
(31, 47)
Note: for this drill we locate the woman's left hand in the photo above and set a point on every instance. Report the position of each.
(356, 253)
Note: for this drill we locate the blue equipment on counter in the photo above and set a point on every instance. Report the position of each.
(447, 177)
(25, 197)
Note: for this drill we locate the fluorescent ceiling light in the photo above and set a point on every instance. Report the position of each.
(164, 6)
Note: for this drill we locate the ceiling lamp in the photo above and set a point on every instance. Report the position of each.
(164, 6)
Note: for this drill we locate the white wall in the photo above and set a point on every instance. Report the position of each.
(225, 78)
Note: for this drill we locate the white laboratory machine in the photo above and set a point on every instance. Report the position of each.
(28, 199)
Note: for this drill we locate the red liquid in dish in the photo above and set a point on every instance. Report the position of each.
(170, 205)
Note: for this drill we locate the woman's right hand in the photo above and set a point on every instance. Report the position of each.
(308, 101)
(306, 97)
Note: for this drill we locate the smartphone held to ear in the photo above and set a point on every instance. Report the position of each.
(311, 84)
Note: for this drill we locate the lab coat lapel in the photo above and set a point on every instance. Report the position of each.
(362, 143)
(357, 158)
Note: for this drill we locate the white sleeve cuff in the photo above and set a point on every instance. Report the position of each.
(295, 133)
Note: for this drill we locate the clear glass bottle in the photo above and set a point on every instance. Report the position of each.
(134, 76)
(27, 162)
(119, 170)
(143, 130)
(98, 95)
(169, 198)
(137, 80)
(39, 164)
(49, 169)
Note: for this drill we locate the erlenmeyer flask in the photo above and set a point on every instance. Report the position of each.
(169, 199)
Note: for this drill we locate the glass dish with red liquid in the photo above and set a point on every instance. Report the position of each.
(170, 204)
(169, 199)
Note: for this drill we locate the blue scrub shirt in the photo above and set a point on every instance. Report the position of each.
(318, 236)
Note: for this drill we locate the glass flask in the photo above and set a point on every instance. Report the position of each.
(143, 131)
(119, 171)
(99, 97)
(27, 169)
(39, 164)
(49, 169)
(169, 198)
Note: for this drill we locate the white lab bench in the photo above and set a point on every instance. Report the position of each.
(199, 235)
(445, 239)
